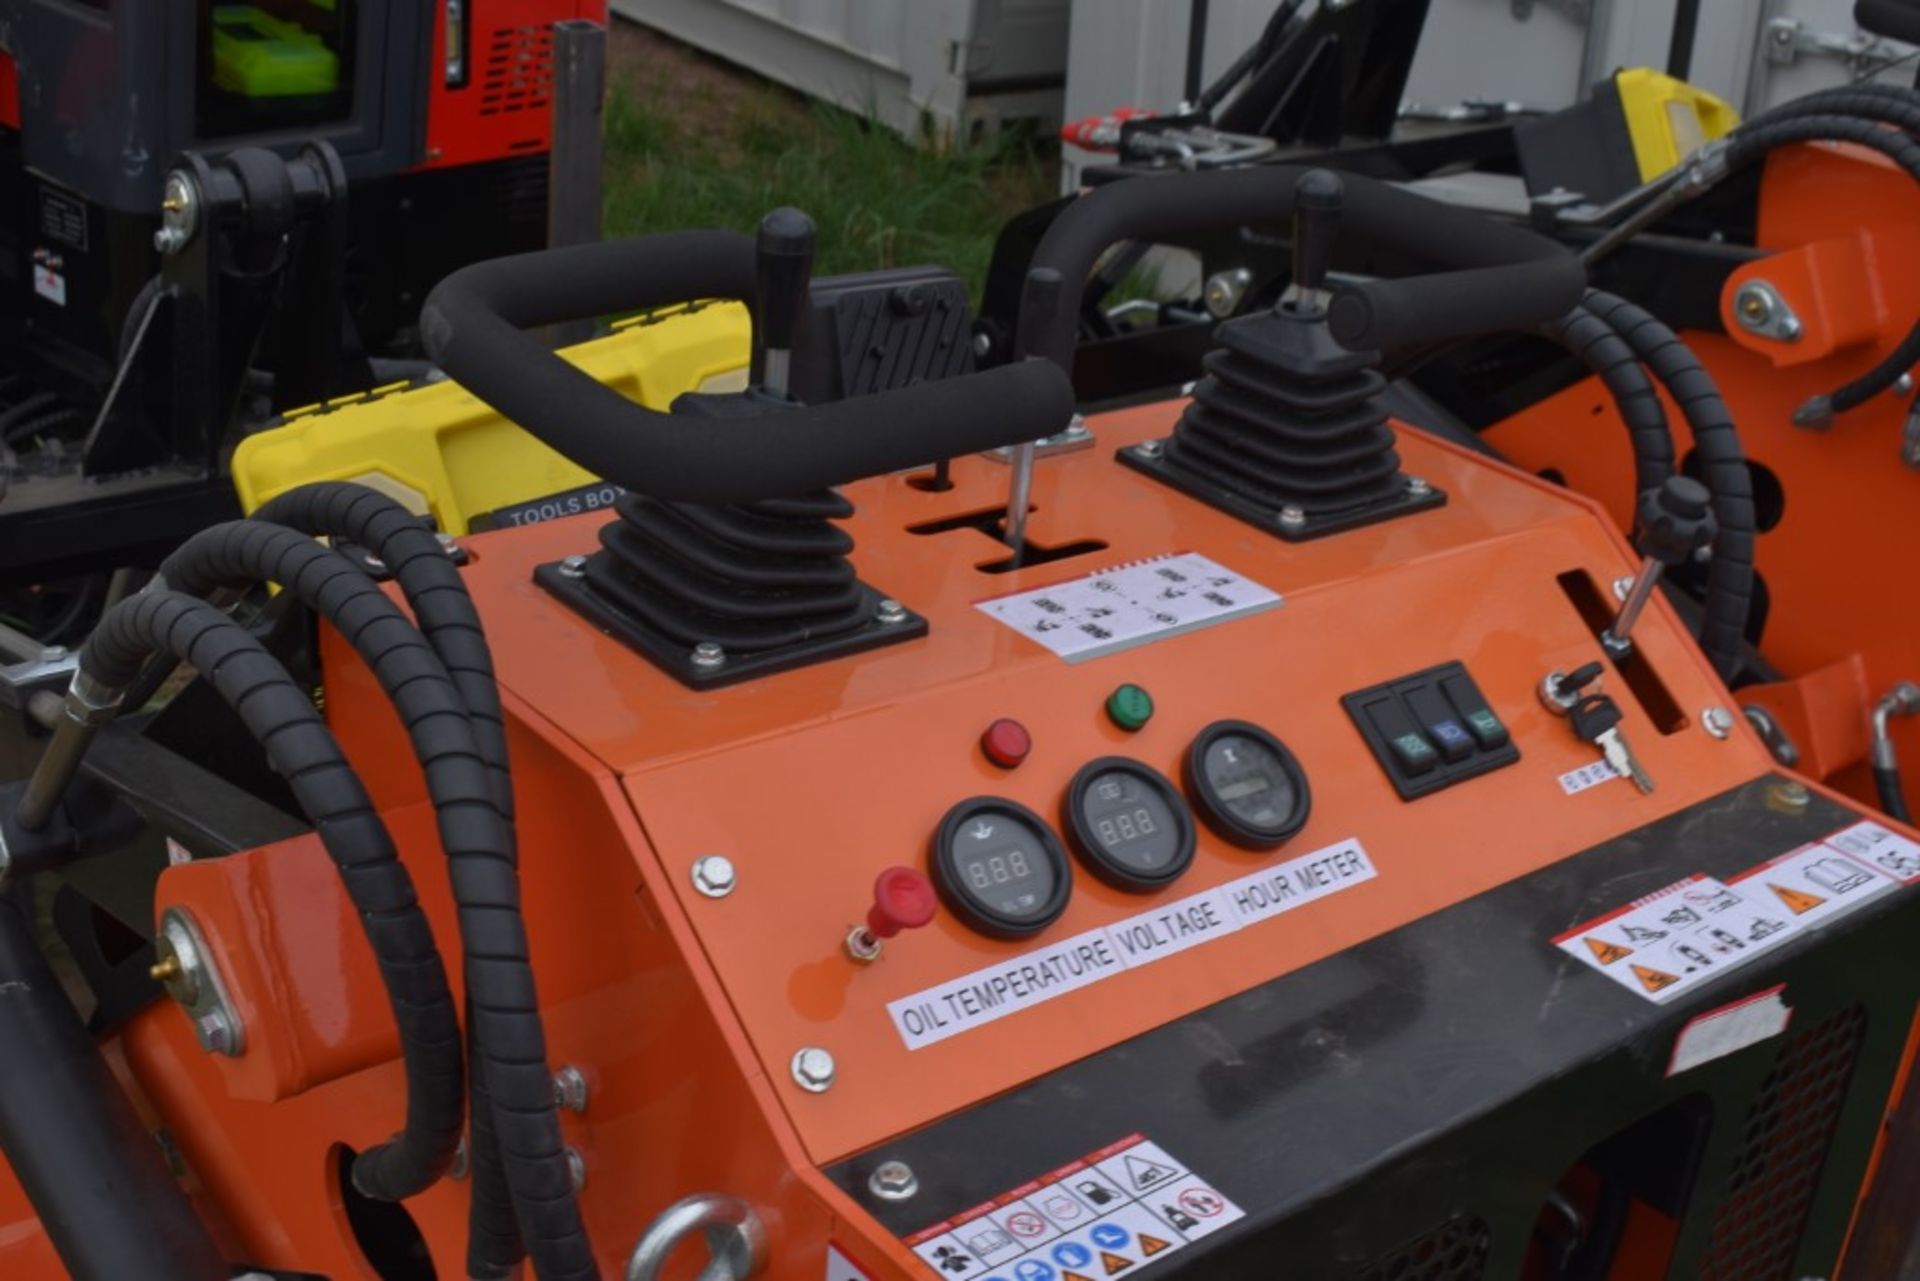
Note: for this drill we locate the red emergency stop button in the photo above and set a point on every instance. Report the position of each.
(903, 899)
(1006, 742)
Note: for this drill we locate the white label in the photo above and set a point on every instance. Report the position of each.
(1690, 933)
(1729, 1029)
(976, 999)
(841, 1268)
(1126, 605)
(1575, 781)
(1886, 850)
(1126, 1205)
(50, 284)
(1678, 938)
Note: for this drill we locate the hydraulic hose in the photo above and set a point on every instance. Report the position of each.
(446, 616)
(1902, 700)
(1729, 593)
(300, 748)
(473, 832)
(1607, 355)
(89, 1165)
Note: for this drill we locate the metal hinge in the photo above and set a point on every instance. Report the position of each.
(1788, 38)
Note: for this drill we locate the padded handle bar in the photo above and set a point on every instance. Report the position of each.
(473, 326)
(1501, 277)
(1899, 19)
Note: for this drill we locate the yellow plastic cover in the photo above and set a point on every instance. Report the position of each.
(1669, 119)
(442, 452)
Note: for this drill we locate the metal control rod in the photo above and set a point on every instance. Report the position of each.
(1039, 300)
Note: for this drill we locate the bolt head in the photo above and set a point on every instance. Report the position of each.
(713, 875)
(1418, 487)
(890, 611)
(573, 567)
(1621, 586)
(1791, 328)
(576, 1169)
(1903, 384)
(1717, 721)
(1789, 796)
(813, 1069)
(982, 346)
(893, 1181)
(708, 655)
(570, 1089)
(214, 1032)
(1149, 449)
(1293, 517)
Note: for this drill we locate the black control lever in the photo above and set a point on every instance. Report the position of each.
(1673, 523)
(1317, 200)
(783, 268)
(1899, 19)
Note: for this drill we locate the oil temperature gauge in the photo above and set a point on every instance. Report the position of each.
(1000, 868)
(1247, 785)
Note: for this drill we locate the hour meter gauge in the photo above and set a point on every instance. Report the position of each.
(1247, 785)
(1129, 823)
(1000, 868)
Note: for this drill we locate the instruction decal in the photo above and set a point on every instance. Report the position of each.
(973, 1000)
(1127, 605)
(1673, 940)
(842, 1268)
(1112, 1212)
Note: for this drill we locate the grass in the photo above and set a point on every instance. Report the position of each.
(878, 202)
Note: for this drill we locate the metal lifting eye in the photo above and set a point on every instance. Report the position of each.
(736, 1239)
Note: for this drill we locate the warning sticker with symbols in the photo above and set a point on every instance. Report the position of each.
(1112, 1212)
(1677, 938)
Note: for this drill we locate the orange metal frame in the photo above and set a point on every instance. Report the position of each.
(1841, 228)
(684, 1011)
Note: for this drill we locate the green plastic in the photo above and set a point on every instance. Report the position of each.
(256, 55)
(1130, 707)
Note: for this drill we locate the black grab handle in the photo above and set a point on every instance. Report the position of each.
(473, 325)
(1898, 19)
(1494, 275)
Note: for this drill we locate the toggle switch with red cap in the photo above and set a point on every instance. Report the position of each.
(1006, 742)
(903, 899)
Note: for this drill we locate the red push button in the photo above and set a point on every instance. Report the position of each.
(903, 899)
(1006, 743)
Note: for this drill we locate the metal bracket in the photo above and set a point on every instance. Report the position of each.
(187, 970)
(1761, 311)
(1788, 38)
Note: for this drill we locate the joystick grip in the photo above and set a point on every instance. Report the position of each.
(783, 267)
(1317, 199)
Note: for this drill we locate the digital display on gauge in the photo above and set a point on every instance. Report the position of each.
(1000, 867)
(1130, 823)
(1247, 785)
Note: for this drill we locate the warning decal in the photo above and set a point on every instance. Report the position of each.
(1691, 932)
(1111, 1212)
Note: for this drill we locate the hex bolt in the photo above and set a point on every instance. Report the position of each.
(708, 655)
(214, 1032)
(893, 1181)
(713, 875)
(1417, 487)
(890, 611)
(1717, 721)
(1149, 449)
(813, 1069)
(1789, 796)
(573, 567)
(576, 1169)
(1076, 428)
(1292, 517)
(570, 1088)
(1791, 328)
(1622, 585)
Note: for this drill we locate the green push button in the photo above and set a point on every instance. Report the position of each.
(1130, 707)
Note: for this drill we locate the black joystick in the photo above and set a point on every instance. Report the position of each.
(1317, 199)
(1671, 523)
(783, 267)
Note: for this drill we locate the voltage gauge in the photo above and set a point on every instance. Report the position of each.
(1247, 785)
(1129, 823)
(1000, 868)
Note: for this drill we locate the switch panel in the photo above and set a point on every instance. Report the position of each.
(1431, 730)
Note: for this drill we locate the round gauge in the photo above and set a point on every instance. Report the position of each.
(1247, 785)
(1130, 823)
(1000, 868)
